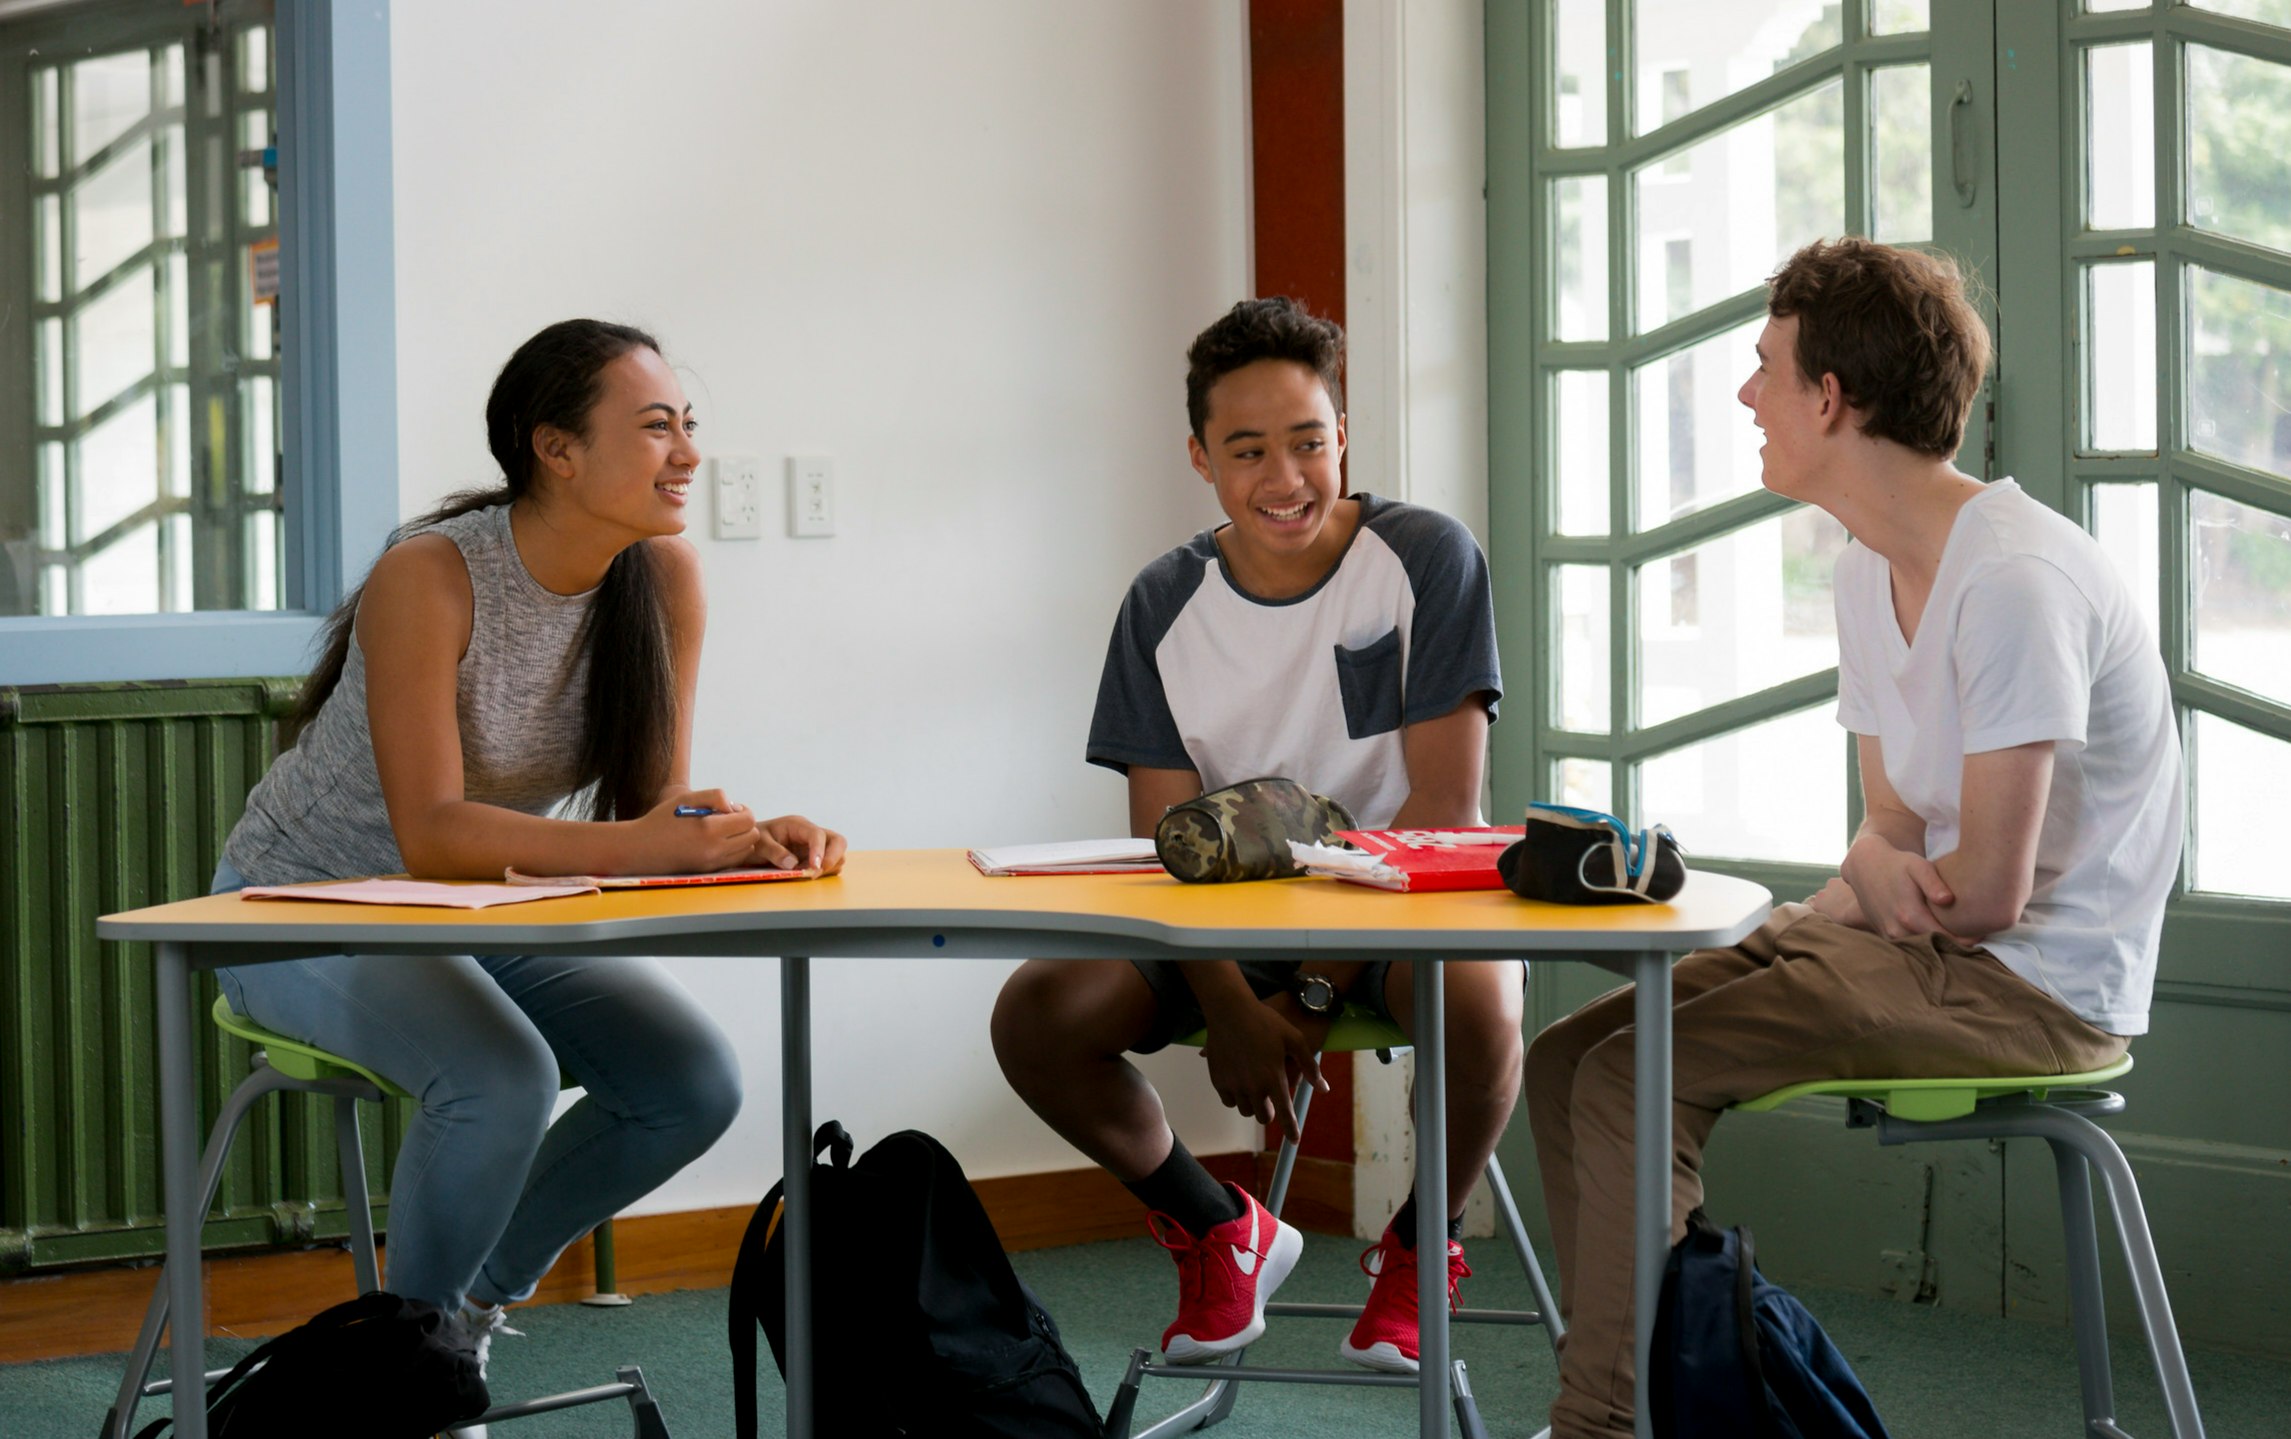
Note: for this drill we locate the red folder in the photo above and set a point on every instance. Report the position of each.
(1421, 861)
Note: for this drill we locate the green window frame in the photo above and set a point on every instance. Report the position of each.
(2005, 142)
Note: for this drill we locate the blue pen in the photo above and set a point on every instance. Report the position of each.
(693, 811)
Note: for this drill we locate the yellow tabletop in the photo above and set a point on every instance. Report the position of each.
(889, 902)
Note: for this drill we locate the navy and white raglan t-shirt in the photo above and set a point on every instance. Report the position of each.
(1202, 675)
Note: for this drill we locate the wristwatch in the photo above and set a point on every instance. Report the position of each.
(1318, 994)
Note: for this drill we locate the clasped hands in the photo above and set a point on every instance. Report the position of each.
(1258, 1050)
(1887, 891)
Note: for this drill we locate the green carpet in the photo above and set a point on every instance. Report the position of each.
(1935, 1374)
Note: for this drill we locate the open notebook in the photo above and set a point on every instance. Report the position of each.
(1073, 856)
(518, 888)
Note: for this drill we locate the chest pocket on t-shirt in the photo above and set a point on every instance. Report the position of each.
(1369, 680)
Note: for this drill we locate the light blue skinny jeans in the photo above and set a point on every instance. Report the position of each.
(487, 1192)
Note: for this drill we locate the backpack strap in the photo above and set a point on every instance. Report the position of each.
(1746, 1323)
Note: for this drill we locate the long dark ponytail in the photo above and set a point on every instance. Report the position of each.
(628, 730)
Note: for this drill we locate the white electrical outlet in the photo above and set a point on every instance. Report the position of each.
(739, 497)
(811, 496)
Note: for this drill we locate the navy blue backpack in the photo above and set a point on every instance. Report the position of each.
(1738, 1358)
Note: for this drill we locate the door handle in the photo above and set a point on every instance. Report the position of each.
(1963, 167)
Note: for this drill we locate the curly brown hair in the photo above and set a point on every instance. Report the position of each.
(1274, 328)
(1896, 328)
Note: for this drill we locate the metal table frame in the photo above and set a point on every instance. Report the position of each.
(208, 934)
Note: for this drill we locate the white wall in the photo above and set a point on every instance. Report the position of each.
(959, 248)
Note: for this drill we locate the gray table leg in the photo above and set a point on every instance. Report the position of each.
(179, 1164)
(1651, 1168)
(795, 1145)
(1430, 1042)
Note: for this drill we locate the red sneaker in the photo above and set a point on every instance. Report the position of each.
(1224, 1279)
(1384, 1337)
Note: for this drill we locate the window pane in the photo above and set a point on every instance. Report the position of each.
(114, 341)
(254, 59)
(111, 214)
(2124, 521)
(1584, 783)
(2242, 582)
(2120, 137)
(118, 471)
(2100, 7)
(1579, 50)
(261, 436)
(1901, 148)
(2241, 776)
(1740, 201)
(48, 243)
(1583, 648)
(2120, 357)
(1579, 215)
(1890, 17)
(254, 134)
(1579, 424)
(1721, 800)
(2236, 106)
(1696, 443)
(109, 94)
(1692, 52)
(2271, 12)
(123, 578)
(47, 125)
(2239, 391)
(1736, 615)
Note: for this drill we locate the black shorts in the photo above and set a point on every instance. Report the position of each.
(1177, 1012)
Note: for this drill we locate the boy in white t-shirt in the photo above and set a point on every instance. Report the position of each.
(1999, 910)
(1347, 643)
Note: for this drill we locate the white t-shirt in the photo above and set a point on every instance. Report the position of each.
(1202, 675)
(2031, 635)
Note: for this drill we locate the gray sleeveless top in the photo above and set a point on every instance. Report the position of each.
(318, 813)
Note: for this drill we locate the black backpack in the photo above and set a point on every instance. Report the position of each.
(919, 1324)
(377, 1367)
(1738, 1358)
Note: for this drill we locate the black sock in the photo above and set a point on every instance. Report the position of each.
(1404, 1223)
(1186, 1192)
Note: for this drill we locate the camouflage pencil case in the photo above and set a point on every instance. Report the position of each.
(1243, 831)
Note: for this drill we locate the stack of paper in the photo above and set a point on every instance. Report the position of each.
(1412, 860)
(1074, 856)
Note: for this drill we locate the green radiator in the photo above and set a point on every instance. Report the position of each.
(113, 797)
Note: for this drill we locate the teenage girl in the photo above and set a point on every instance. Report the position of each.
(518, 648)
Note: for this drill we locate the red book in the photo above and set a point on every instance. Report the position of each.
(1415, 861)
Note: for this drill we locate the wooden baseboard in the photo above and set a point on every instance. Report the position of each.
(98, 1311)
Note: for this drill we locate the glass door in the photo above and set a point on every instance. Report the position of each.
(1686, 148)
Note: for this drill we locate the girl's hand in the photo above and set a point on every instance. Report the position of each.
(793, 842)
(669, 843)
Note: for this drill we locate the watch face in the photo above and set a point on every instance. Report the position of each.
(1316, 994)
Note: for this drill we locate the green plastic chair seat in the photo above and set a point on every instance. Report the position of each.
(295, 1058)
(1932, 1099)
(1357, 1028)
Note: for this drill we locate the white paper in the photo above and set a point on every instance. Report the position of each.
(1072, 854)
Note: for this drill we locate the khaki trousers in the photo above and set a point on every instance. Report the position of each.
(1803, 998)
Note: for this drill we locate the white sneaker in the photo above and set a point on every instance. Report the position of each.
(483, 1324)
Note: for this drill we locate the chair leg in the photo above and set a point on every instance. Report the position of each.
(1553, 1326)
(1286, 1165)
(2087, 1305)
(357, 1200)
(121, 1418)
(2100, 1152)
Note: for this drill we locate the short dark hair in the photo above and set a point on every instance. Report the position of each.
(1274, 328)
(1896, 328)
